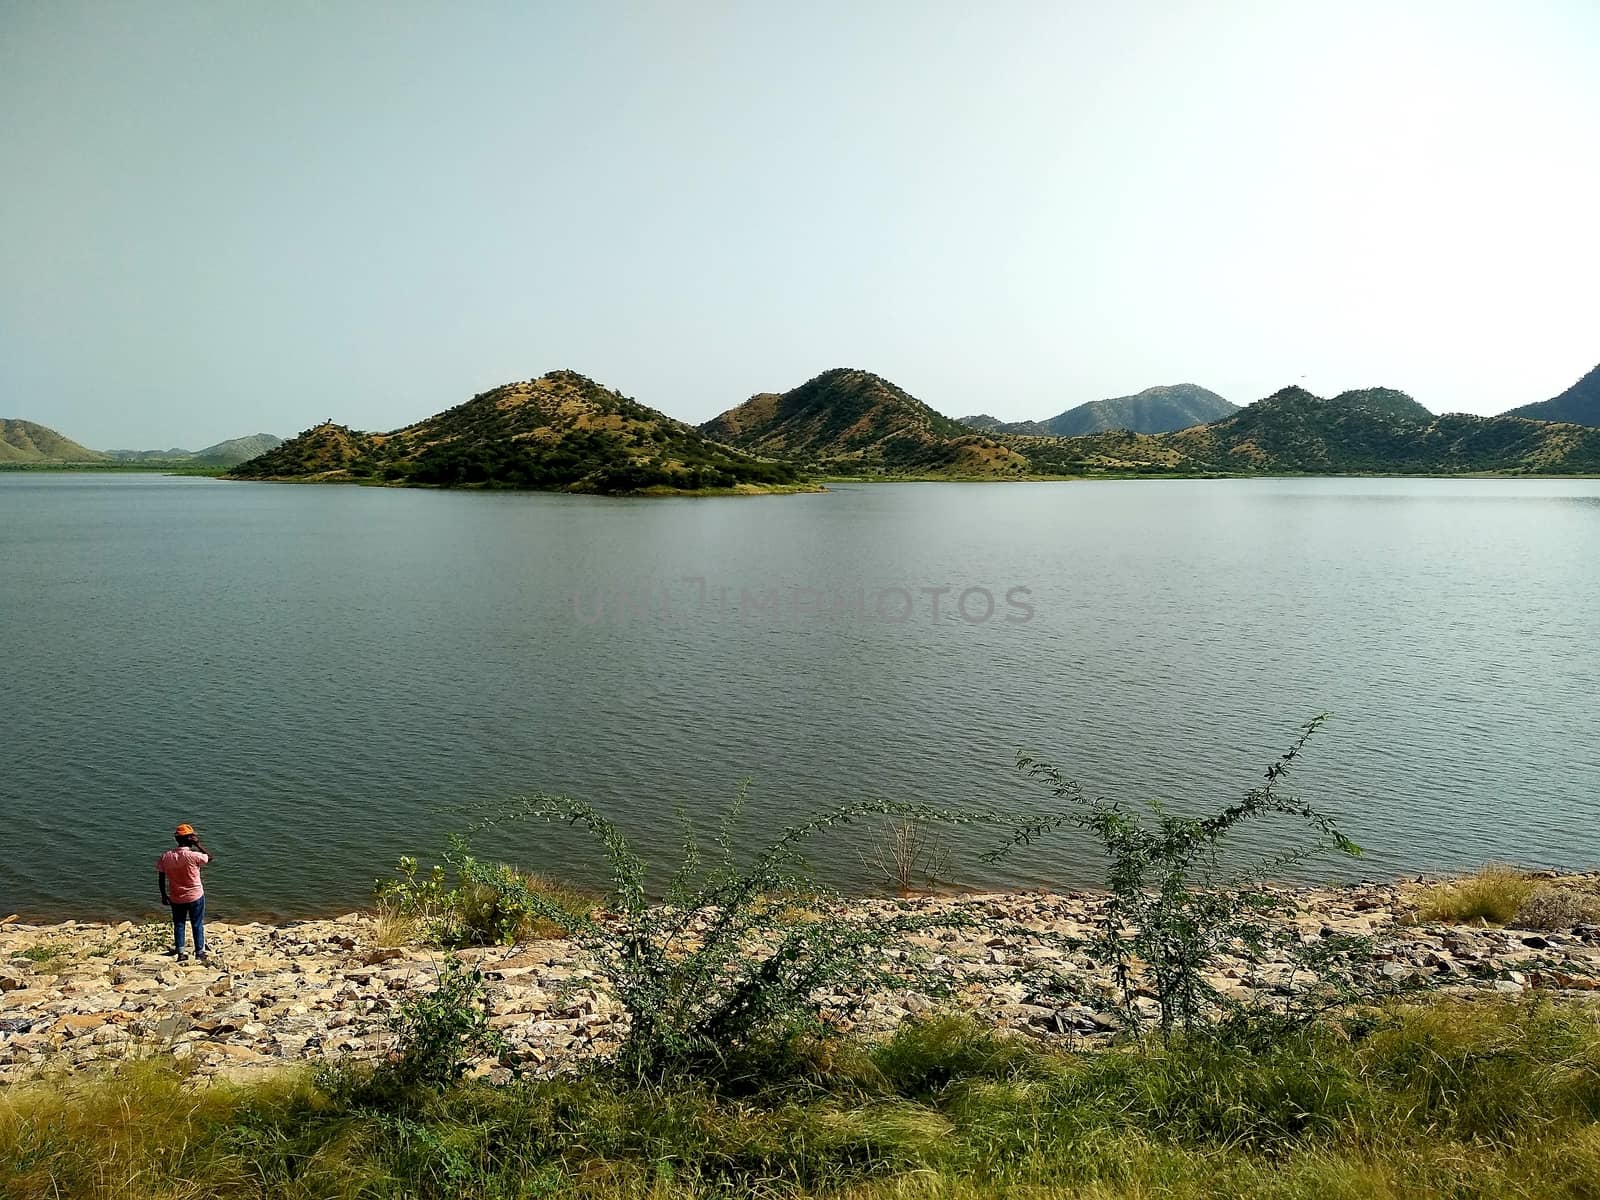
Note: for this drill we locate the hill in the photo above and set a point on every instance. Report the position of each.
(1154, 410)
(25, 442)
(851, 421)
(1374, 430)
(224, 454)
(237, 450)
(561, 431)
(1579, 404)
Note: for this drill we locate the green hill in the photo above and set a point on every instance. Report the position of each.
(1154, 410)
(851, 421)
(561, 431)
(25, 442)
(1579, 404)
(1385, 401)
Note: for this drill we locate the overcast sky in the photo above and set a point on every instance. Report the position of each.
(224, 218)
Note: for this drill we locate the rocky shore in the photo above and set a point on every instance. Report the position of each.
(276, 995)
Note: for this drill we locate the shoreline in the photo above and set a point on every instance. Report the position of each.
(244, 915)
(78, 994)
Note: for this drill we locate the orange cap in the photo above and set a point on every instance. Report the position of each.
(183, 831)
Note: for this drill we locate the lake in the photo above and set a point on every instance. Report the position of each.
(323, 678)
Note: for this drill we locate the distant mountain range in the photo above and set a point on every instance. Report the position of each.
(1154, 410)
(561, 431)
(224, 454)
(28, 442)
(1376, 430)
(1579, 404)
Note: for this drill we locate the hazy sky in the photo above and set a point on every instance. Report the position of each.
(228, 217)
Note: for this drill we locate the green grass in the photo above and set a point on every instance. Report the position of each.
(1499, 1099)
(44, 954)
(468, 914)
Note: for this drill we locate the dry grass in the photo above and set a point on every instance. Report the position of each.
(906, 854)
(395, 928)
(1557, 907)
(1495, 893)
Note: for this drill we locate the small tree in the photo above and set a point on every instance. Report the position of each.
(1173, 909)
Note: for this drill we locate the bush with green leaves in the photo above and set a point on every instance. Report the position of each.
(440, 1032)
(735, 958)
(463, 902)
(1178, 901)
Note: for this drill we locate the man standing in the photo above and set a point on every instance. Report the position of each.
(178, 873)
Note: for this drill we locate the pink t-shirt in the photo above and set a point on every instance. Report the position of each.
(181, 866)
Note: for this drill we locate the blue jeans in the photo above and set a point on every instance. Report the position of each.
(195, 913)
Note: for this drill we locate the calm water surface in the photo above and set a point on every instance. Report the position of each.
(323, 678)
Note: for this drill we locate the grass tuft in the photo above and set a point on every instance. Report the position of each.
(1558, 907)
(1494, 894)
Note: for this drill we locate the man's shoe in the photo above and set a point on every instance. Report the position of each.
(183, 958)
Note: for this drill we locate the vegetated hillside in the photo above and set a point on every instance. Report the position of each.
(1375, 430)
(1154, 410)
(26, 442)
(324, 451)
(561, 431)
(223, 454)
(1578, 405)
(1390, 402)
(854, 422)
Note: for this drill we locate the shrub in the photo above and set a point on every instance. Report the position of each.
(738, 958)
(1173, 911)
(482, 907)
(906, 855)
(1557, 908)
(438, 1033)
(1495, 894)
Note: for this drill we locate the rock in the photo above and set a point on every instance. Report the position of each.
(74, 1024)
(173, 1025)
(1535, 942)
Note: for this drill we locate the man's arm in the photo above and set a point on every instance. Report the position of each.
(204, 851)
(161, 878)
